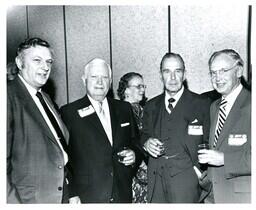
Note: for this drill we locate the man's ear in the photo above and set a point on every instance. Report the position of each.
(239, 72)
(161, 76)
(184, 75)
(19, 63)
(84, 80)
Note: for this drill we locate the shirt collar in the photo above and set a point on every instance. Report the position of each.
(30, 89)
(231, 97)
(176, 96)
(95, 103)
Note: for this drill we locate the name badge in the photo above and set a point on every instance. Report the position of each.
(86, 111)
(237, 139)
(195, 130)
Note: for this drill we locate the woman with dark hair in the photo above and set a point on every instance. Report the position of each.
(131, 88)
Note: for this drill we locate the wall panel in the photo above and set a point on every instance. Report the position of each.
(16, 30)
(87, 38)
(47, 22)
(140, 39)
(196, 32)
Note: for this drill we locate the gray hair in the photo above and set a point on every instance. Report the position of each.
(96, 61)
(231, 53)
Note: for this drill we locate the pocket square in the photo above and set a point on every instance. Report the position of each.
(194, 121)
(125, 124)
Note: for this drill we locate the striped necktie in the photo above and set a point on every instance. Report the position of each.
(221, 120)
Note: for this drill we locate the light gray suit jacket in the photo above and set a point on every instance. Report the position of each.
(35, 163)
(231, 183)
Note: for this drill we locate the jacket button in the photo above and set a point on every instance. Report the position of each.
(111, 199)
(59, 167)
(59, 188)
(111, 173)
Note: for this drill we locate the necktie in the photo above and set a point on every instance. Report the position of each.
(170, 106)
(105, 122)
(221, 121)
(53, 122)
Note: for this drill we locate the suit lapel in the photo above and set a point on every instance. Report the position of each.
(59, 120)
(233, 117)
(214, 119)
(33, 110)
(92, 118)
(113, 118)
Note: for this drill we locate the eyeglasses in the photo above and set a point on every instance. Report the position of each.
(138, 86)
(222, 71)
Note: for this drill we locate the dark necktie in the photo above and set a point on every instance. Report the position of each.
(170, 106)
(53, 122)
(222, 119)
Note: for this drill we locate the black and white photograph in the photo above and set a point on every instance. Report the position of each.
(135, 103)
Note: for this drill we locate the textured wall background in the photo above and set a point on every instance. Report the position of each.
(87, 38)
(138, 39)
(47, 22)
(16, 29)
(196, 32)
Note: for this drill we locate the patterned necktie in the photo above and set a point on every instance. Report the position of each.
(170, 106)
(221, 121)
(53, 122)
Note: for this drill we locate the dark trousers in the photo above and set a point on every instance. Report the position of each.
(181, 188)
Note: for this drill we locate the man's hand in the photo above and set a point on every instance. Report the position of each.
(129, 157)
(152, 147)
(74, 200)
(211, 157)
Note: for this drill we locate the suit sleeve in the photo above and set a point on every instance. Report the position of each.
(65, 113)
(12, 195)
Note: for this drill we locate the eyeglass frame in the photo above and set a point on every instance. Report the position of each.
(222, 70)
(138, 86)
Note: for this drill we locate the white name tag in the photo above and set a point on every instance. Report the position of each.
(237, 139)
(195, 130)
(86, 111)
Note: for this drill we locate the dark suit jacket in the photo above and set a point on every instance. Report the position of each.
(35, 171)
(231, 183)
(191, 110)
(97, 174)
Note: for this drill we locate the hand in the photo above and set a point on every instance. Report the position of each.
(152, 147)
(211, 157)
(129, 157)
(75, 200)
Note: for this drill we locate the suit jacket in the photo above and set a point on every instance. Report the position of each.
(231, 183)
(98, 177)
(35, 163)
(191, 110)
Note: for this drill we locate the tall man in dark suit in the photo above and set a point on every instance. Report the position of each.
(177, 120)
(36, 139)
(102, 141)
(229, 159)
